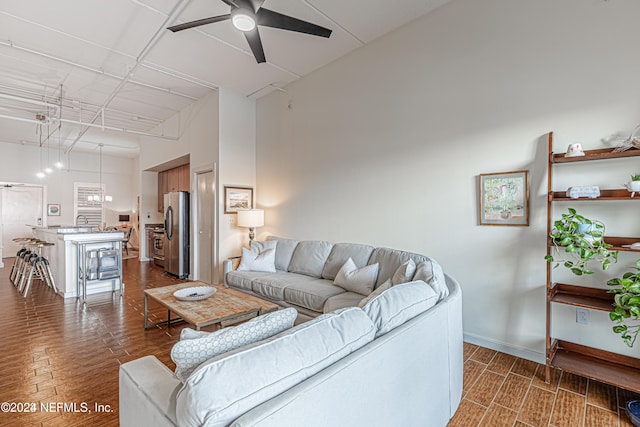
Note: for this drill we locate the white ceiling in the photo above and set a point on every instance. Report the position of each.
(116, 56)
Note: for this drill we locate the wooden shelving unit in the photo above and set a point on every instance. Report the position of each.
(607, 367)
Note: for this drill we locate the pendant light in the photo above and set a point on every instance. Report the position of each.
(40, 174)
(59, 164)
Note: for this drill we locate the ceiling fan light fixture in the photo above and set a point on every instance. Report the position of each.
(243, 19)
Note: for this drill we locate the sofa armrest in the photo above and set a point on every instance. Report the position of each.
(147, 394)
(229, 265)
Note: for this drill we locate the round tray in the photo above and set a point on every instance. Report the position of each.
(195, 293)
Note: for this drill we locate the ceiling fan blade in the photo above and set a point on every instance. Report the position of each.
(253, 38)
(273, 19)
(198, 23)
(231, 3)
(257, 4)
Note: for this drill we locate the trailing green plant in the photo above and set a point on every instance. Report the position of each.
(626, 305)
(635, 177)
(574, 247)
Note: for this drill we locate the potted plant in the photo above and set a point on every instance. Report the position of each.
(626, 305)
(634, 185)
(577, 240)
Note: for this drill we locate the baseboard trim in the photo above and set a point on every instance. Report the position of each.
(521, 352)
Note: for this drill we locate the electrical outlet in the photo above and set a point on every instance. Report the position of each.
(582, 316)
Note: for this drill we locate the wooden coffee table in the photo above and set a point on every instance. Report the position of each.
(225, 307)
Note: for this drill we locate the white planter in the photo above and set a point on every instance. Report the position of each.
(633, 186)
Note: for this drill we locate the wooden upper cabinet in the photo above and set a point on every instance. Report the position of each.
(184, 183)
(170, 180)
(162, 188)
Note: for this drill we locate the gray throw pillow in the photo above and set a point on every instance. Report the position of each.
(358, 280)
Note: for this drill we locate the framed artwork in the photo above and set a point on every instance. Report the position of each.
(236, 198)
(53, 209)
(504, 198)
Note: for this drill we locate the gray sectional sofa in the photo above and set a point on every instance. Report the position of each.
(396, 360)
(305, 271)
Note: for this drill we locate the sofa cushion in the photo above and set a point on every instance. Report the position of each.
(188, 354)
(358, 280)
(214, 396)
(311, 294)
(399, 304)
(272, 286)
(340, 253)
(431, 273)
(390, 260)
(346, 299)
(284, 251)
(309, 257)
(243, 279)
(261, 261)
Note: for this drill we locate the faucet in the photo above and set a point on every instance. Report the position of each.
(86, 220)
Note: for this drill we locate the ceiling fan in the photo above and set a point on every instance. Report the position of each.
(246, 15)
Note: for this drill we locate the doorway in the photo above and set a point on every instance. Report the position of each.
(204, 226)
(21, 208)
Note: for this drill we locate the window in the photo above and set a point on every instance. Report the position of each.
(88, 204)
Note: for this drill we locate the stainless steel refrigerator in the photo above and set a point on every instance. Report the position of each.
(176, 229)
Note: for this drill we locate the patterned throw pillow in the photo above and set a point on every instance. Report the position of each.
(263, 261)
(190, 353)
(358, 280)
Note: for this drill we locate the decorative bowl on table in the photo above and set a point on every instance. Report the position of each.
(195, 293)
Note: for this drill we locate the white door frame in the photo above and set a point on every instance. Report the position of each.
(194, 231)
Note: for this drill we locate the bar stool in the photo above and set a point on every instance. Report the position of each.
(26, 273)
(17, 262)
(43, 267)
(35, 266)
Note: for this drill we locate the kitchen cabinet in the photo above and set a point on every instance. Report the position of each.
(170, 180)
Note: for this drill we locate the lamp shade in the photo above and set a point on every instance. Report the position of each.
(250, 218)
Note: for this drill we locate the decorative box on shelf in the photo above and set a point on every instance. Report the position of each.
(590, 191)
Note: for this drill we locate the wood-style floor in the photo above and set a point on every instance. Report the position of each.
(503, 390)
(64, 357)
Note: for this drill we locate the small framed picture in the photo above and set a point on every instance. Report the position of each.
(53, 209)
(504, 198)
(236, 198)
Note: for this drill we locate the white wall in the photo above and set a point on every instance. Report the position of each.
(198, 137)
(19, 163)
(237, 165)
(384, 146)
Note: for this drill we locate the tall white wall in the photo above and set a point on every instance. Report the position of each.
(385, 145)
(197, 127)
(237, 165)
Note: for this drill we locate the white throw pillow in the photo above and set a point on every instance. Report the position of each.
(257, 246)
(190, 353)
(431, 273)
(358, 280)
(399, 304)
(404, 273)
(263, 261)
(380, 289)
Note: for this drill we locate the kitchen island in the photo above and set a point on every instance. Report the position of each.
(75, 247)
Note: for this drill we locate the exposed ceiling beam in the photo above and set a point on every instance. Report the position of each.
(175, 12)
